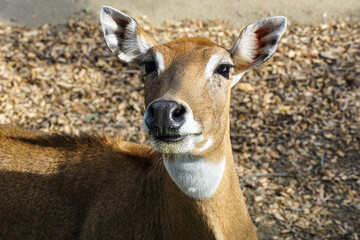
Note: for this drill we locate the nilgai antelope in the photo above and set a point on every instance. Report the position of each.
(59, 186)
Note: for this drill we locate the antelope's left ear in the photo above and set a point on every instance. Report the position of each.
(257, 43)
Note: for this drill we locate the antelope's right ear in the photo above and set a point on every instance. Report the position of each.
(124, 36)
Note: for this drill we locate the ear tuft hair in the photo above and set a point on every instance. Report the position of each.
(123, 36)
(257, 43)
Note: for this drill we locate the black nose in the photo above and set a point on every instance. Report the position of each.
(164, 118)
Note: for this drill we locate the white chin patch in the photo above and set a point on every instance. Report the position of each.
(196, 177)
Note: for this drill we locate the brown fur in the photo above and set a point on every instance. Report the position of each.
(60, 186)
(55, 186)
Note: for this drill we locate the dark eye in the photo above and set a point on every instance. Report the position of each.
(224, 70)
(149, 67)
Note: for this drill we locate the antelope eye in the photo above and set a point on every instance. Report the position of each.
(224, 70)
(149, 67)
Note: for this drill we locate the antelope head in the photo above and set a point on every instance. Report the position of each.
(188, 82)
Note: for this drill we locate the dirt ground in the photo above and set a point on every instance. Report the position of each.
(295, 122)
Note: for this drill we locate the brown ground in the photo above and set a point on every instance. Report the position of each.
(240, 12)
(295, 121)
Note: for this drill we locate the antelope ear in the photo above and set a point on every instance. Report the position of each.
(257, 43)
(124, 36)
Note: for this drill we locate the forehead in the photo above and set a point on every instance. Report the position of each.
(190, 49)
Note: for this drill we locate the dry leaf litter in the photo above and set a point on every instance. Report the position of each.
(295, 122)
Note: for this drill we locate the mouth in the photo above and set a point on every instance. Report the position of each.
(174, 138)
(169, 138)
(175, 143)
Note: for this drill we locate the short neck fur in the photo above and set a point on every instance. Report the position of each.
(222, 216)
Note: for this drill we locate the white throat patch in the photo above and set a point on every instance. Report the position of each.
(196, 177)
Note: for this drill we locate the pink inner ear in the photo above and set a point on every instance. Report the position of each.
(257, 43)
(264, 42)
(121, 22)
(121, 29)
(262, 32)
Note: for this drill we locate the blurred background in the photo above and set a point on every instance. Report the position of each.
(295, 121)
(34, 12)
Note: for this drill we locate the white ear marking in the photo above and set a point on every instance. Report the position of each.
(144, 44)
(246, 44)
(107, 20)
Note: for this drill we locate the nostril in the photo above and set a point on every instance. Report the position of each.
(150, 117)
(179, 112)
(151, 112)
(164, 117)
